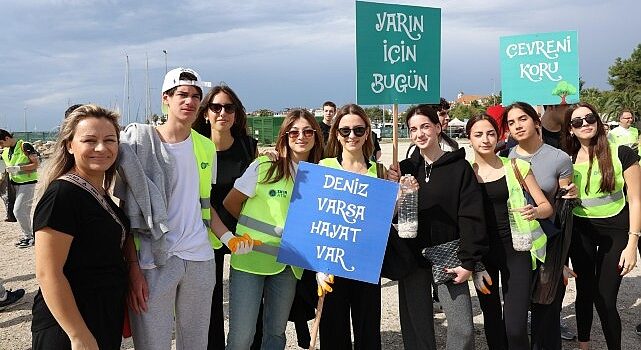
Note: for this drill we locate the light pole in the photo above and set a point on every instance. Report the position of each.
(165, 52)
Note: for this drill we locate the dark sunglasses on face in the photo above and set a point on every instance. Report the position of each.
(578, 122)
(358, 131)
(293, 134)
(217, 107)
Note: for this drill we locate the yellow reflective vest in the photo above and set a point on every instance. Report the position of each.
(19, 158)
(263, 218)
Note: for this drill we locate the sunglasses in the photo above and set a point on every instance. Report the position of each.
(358, 131)
(307, 133)
(578, 122)
(217, 107)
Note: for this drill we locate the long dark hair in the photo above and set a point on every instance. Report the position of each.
(239, 129)
(599, 148)
(281, 168)
(334, 147)
(477, 118)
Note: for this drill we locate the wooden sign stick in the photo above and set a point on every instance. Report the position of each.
(316, 324)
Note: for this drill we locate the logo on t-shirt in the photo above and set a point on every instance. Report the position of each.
(204, 165)
(278, 193)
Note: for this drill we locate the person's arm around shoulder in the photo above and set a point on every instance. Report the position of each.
(51, 254)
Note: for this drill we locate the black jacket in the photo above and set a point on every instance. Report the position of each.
(450, 206)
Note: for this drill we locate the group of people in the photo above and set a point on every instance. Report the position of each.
(196, 188)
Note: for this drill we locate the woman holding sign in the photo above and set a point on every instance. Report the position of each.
(516, 238)
(449, 208)
(607, 224)
(257, 274)
(348, 148)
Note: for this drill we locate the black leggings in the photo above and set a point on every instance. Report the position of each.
(217, 321)
(506, 327)
(595, 252)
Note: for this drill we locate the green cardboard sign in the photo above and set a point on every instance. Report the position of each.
(398, 54)
(541, 69)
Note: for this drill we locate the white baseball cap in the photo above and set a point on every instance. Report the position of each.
(172, 79)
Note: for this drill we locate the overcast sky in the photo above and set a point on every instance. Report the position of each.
(274, 54)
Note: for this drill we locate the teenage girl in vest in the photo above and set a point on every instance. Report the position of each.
(260, 200)
(348, 148)
(505, 327)
(222, 118)
(449, 208)
(553, 170)
(606, 225)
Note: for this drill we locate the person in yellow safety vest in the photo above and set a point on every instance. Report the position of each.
(260, 200)
(349, 148)
(506, 326)
(21, 161)
(170, 282)
(625, 133)
(606, 227)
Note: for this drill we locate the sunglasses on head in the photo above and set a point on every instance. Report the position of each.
(578, 122)
(358, 131)
(293, 134)
(217, 107)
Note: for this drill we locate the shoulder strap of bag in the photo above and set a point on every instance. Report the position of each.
(519, 177)
(85, 185)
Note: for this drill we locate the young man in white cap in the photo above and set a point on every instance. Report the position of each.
(166, 175)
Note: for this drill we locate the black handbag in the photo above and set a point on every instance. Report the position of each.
(445, 256)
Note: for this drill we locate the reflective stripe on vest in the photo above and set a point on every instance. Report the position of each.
(596, 204)
(516, 196)
(205, 153)
(262, 217)
(19, 158)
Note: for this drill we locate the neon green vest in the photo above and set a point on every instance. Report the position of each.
(19, 158)
(333, 163)
(596, 204)
(263, 218)
(628, 139)
(205, 152)
(516, 199)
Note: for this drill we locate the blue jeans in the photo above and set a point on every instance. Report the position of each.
(245, 293)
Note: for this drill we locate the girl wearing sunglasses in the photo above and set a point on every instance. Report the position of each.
(506, 325)
(449, 208)
(552, 169)
(349, 147)
(222, 118)
(256, 275)
(607, 224)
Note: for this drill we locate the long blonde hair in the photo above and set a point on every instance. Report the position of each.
(61, 161)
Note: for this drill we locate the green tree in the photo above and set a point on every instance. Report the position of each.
(463, 112)
(375, 114)
(564, 89)
(625, 74)
(264, 113)
(615, 101)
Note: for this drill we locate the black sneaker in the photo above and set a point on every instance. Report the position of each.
(638, 329)
(21, 242)
(12, 298)
(10, 220)
(26, 243)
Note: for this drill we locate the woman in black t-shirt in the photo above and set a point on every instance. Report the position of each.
(79, 232)
(222, 118)
(607, 224)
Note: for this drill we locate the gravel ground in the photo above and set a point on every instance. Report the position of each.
(17, 271)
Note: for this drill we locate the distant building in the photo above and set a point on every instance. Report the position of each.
(467, 100)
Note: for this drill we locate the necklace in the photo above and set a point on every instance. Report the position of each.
(427, 175)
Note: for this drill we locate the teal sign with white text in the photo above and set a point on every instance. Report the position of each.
(541, 69)
(398, 54)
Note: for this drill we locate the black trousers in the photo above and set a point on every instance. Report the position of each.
(546, 322)
(217, 321)
(506, 327)
(595, 251)
(364, 301)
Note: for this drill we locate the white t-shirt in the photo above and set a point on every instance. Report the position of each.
(246, 184)
(187, 237)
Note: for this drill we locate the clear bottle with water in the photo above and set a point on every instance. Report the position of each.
(408, 207)
(521, 234)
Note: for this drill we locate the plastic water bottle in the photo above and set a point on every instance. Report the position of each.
(408, 208)
(521, 238)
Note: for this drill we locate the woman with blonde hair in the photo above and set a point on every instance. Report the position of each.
(80, 232)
